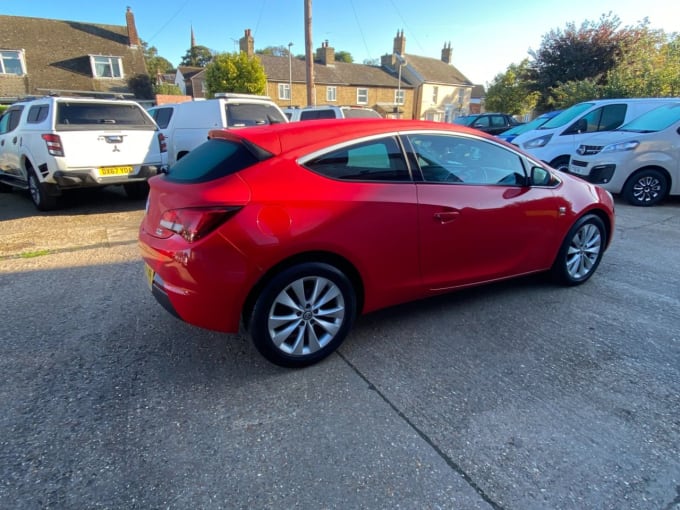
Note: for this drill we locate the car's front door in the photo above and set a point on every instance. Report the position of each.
(478, 218)
(9, 141)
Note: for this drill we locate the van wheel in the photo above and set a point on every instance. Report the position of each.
(136, 190)
(42, 200)
(561, 163)
(646, 187)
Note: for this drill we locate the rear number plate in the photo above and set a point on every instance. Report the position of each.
(115, 170)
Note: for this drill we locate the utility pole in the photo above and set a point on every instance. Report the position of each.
(309, 55)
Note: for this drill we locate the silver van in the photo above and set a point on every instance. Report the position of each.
(557, 139)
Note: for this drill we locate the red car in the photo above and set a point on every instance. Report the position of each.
(292, 230)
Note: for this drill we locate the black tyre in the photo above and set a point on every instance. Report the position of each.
(40, 196)
(136, 190)
(646, 187)
(581, 251)
(5, 188)
(561, 163)
(303, 314)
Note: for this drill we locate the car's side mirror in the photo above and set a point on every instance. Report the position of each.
(540, 176)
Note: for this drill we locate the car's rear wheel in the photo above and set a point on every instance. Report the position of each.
(646, 187)
(42, 200)
(136, 190)
(581, 251)
(303, 314)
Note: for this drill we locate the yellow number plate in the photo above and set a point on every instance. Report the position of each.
(149, 275)
(115, 170)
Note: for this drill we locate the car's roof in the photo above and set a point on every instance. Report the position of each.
(278, 138)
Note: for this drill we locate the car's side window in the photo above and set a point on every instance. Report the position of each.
(374, 160)
(10, 120)
(464, 160)
(162, 117)
(481, 122)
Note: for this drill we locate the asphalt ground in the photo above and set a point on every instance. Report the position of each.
(520, 395)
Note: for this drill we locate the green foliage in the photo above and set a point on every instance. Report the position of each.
(155, 64)
(197, 56)
(510, 92)
(566, 94)
(235, 72)
(344, 56)
(140, 85)
(275, 51)
(169, 89)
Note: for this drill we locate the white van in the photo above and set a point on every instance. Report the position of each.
(330, 112)
(640, 160)
(186, 125)
(557, 139)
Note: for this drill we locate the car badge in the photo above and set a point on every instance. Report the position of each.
(116, 149)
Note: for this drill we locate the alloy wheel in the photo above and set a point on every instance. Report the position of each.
(584, 251)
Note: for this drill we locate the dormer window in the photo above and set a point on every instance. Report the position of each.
(106, 67)
(12, 62)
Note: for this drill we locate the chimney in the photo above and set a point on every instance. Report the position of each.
(326, 54)
(247, 44)
(447, 53)
(133, 37)
(399, 43)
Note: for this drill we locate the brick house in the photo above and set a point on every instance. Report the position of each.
(191, 81)
(42, 56)
(442, 92)
(336, 83)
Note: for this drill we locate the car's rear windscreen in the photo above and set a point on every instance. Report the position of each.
(79, 116)
(246, 114)
(211, 160)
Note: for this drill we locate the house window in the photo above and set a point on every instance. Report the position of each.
(284, 91)
(435, 95)
(362, 96)
(331, 93)
(12, 62)
(399, 96)
(106, 67)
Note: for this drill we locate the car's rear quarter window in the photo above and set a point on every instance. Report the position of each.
(211, 160)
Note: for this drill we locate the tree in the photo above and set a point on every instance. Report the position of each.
(235, 72)
(275, 51)
(155, 64)
(510, 92)
(197, 56)
(140, 85)
(343, 56)
(168, 89)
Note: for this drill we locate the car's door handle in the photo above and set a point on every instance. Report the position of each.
(446, 217)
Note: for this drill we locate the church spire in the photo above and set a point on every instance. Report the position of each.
(193, 39)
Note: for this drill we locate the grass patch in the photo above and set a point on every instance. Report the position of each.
(33, 254)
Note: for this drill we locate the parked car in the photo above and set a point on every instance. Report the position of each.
(492, 123)
(641, 159)
(329, 112)
(186, 125)
(557, 139)
(514, 132)
(52, 144)
(292, 230)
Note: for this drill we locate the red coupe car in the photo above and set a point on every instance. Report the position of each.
(290, 231)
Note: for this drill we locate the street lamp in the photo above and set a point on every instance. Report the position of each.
(290, 75)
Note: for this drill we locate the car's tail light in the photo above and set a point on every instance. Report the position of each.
(193, 223)
(54, 147)
(162, 142)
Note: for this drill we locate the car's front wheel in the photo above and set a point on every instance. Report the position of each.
(303, 314)
(646, 187)
(581, 251)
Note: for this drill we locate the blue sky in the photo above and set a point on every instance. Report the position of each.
(486, 36)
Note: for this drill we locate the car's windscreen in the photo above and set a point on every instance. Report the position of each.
(654, 120)
(211, 160)
(360, 113)
(78, 116)
(523, 128)
(465, 121)
(566, 116)
(245, 115)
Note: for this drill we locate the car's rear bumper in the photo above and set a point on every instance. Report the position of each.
(90, 177)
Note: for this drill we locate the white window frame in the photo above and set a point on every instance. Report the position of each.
(17, 55)
(399, 96)
(362, 95)
(331, 94)
(284, 91)
(435, 95)
(112, 62)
